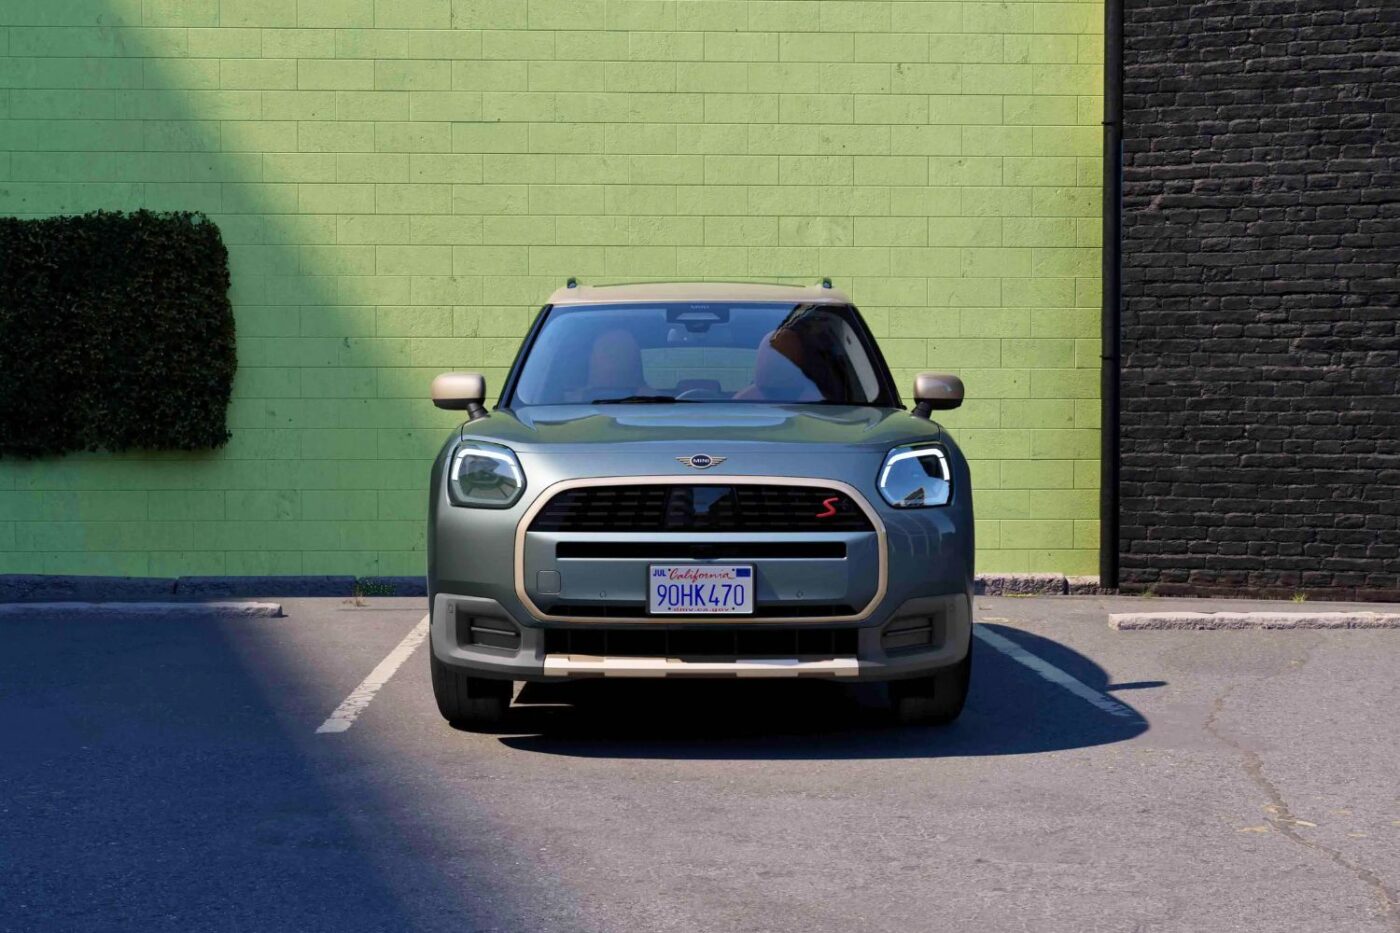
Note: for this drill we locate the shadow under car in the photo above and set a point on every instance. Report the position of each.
(1011, 710)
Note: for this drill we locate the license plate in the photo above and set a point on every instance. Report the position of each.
(700, 589)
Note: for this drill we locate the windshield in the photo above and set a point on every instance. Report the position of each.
(702, 352)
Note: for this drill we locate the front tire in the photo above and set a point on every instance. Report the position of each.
(934, 700)
(469, 702)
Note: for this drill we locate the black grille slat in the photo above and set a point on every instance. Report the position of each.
(764, 610)
(714, 642)
(690, 550)
(688, 507)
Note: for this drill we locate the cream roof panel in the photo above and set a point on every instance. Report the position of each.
(697, 291)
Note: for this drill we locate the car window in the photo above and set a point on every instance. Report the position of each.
(700, 352)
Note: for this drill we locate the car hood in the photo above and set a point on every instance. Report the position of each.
(552, 426)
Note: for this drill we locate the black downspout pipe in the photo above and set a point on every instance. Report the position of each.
(1112, 291)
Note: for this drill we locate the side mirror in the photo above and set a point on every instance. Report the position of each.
(461, 392)
(936, 392)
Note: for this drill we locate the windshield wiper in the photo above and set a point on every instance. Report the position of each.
(642, 400)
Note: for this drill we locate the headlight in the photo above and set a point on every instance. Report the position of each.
(916, 477)
(484, 476)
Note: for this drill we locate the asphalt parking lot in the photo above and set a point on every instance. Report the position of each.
(169, 775)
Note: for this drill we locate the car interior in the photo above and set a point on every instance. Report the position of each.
(681, 354)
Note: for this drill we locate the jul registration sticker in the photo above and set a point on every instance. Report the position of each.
(700, 589)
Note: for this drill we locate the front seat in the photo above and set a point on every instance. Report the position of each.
(777, 373)
(615, 367)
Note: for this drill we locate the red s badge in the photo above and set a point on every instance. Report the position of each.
(830, 507)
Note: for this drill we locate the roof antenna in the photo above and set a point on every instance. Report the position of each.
(826, 281)
(571, 283)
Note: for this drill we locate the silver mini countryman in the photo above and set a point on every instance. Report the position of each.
(699, 480)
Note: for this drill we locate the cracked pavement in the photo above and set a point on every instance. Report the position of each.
(1281, 818)
(159, 775)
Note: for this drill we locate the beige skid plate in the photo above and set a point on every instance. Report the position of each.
(569, 665)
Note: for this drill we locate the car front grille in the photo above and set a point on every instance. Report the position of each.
(717, 641)
(683, 507)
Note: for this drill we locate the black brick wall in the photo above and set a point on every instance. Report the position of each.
(1261, 342)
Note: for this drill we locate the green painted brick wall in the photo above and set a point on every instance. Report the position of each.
(402, 182)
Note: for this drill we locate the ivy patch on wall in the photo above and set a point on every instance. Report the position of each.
(116, 333)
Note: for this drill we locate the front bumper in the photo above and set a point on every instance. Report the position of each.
(920, 636)
(493, 615)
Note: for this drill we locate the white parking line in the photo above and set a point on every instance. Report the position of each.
(1052, 673)
(348, 711)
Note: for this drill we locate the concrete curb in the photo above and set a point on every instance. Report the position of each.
(49, 588)
(146, 610)
(396, 586)
(1035, 584)
(1083, 586)
(1235, 621)
(210, 587)
(33, 587)
(1021, 584)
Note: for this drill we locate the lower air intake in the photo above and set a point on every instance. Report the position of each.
(709, 642)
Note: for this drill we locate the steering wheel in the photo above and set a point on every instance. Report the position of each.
(698, 393)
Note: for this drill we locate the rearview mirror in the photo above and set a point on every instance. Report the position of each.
(936, 392)
(461, 392)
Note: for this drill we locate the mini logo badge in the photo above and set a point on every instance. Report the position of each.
(701, 461)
